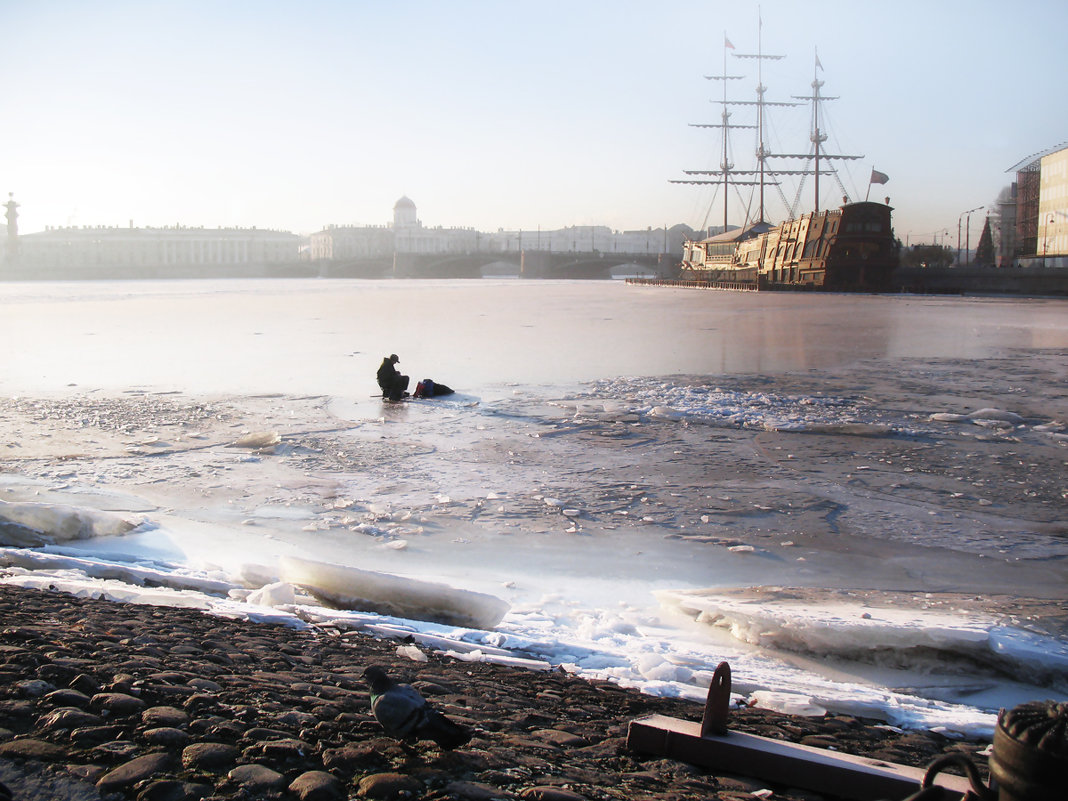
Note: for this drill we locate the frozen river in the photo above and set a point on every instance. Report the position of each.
(328, 336)
(858, 501)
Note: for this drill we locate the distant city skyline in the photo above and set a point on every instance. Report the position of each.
(503, 116)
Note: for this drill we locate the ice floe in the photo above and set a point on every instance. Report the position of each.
(368, 590)
(893, 637)
(37, 524)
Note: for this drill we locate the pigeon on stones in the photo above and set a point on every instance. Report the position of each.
(407, 716)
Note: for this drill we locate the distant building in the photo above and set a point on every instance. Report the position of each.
(91, 250)
(1005, 232)
(181, 251)
(343, 243)
(407, 234)
(9, 246)
(1053, 205)
(404, 214)
(1042, 208)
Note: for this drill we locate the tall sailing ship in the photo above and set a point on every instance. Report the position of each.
(849, 248)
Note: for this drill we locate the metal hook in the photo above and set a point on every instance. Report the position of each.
(980, 791)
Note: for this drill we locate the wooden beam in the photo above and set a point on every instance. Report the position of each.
(782, 763)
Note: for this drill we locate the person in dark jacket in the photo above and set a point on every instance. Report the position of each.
(391, 382)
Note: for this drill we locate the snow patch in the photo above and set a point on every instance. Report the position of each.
(787, 703)
(276, 594)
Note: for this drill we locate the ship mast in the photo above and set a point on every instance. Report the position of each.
(726, 170)
(726, 164)
(762, 153)
(817, 136)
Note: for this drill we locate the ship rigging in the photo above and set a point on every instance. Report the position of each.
(765, 173)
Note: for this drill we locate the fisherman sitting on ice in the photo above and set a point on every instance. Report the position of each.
(392, 383)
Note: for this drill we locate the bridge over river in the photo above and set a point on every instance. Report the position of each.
(528, 264)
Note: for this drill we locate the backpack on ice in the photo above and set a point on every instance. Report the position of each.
(427, 388)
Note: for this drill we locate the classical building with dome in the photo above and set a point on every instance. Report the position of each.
(407, 234)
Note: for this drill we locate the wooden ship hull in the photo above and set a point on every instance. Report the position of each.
(848, 249)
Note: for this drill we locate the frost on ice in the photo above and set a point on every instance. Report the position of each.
(382, 593)
(654, 399)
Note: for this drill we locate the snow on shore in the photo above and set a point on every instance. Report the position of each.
(645, 645)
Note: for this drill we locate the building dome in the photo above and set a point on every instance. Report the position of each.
(404, 215)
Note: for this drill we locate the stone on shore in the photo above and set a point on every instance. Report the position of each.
(165, 716)
(174, 790)
(31, 749)
(550, 794)
(389, 785)
(166, 737)
(117, 703)
(209, 756)
(257, 778)
(136, 770)
(317, 785)
(476, 791)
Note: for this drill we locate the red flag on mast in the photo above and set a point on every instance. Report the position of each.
(727, 42)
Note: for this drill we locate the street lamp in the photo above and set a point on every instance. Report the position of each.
(968, 233)
(1045, 237)
(961, 217)
(1048, 220)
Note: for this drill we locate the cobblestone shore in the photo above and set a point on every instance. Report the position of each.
(114, 701)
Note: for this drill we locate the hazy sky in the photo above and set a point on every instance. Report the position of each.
(503, 114)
